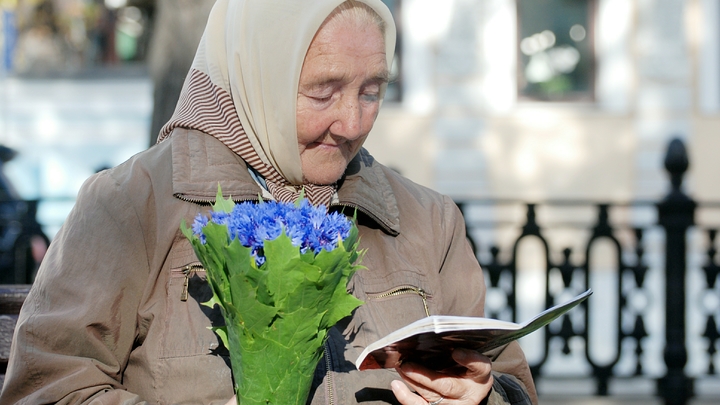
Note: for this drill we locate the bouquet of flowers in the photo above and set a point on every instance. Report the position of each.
(279, 273)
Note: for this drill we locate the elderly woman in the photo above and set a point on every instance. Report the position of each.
(280, 98)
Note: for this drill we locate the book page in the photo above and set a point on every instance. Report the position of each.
(430, 340)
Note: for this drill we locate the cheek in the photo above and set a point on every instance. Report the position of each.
(310, 127)
(370, 113)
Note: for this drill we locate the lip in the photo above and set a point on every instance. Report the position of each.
(324, 146)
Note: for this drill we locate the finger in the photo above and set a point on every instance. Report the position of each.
(460, 385)
(428, 383)
(404, 395)
(416, 375)
(478, 366)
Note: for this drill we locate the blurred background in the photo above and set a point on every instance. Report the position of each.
(549, 121)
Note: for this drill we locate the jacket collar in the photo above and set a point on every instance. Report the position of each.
(201, 162)
(367, 187)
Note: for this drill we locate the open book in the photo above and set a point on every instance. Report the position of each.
(431, 340)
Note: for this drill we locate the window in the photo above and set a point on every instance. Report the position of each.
(555, 49)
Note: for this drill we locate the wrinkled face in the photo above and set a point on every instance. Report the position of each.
(338, 96)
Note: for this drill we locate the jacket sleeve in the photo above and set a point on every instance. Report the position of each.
(78, 325)
(463, 287)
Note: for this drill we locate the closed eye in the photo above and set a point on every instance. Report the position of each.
(370, 97)
(371, 92)
(322, 98)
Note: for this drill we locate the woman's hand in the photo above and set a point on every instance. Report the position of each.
(232, 401)
(468, 386)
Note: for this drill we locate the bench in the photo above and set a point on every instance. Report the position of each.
(11, 299)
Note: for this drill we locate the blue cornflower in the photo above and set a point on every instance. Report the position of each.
(309, 228)
(197, 226)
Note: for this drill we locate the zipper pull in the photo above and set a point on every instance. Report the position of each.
(186, 283)
(424, 296)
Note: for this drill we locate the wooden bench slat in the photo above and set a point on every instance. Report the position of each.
(12, 297)
(7, 327)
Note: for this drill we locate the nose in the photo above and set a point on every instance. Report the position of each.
(348, 119)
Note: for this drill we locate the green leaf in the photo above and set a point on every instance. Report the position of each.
(308, 257)
(342, 305)
(272, 375)
(299, 328)
(337, 273)
(212, 256)
(350, 243)
(307, 294)
(240, 261)
(301, 196)
(216, 238)
(284, 267)
(238, 258)
(273, 372)
(222, 204)
(252, 314)
(212, 301)
(187, 231)
(221, 331)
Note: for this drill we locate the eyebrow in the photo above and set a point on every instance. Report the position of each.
(381, 77)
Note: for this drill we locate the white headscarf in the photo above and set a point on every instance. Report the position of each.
(243, 84)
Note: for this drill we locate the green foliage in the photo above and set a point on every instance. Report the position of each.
(223, 204)
(277, 316)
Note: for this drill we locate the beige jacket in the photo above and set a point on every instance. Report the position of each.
(108, 322)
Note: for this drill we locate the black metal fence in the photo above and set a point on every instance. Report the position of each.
(566, 273)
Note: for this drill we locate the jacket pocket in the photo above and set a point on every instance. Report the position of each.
(391, 301)
(399, 292)
(187, 322)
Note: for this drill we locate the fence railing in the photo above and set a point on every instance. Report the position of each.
(624, 264)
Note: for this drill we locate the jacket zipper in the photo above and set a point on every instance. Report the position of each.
(328, 375)
(201, 201)
(187, 271)
(206, 201)
(402, 291)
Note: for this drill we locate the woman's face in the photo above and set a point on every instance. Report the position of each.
(338, 96)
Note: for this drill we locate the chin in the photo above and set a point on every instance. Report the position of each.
(324, 176)
(324, 173)
(322, 179)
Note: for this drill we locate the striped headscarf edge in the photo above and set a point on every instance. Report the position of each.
(208, 108)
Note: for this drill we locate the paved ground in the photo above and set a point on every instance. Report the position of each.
(618, 401)
(639, 391)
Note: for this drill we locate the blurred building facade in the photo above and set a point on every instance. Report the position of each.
(65, 37)
(503, 98)
(484, 111)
